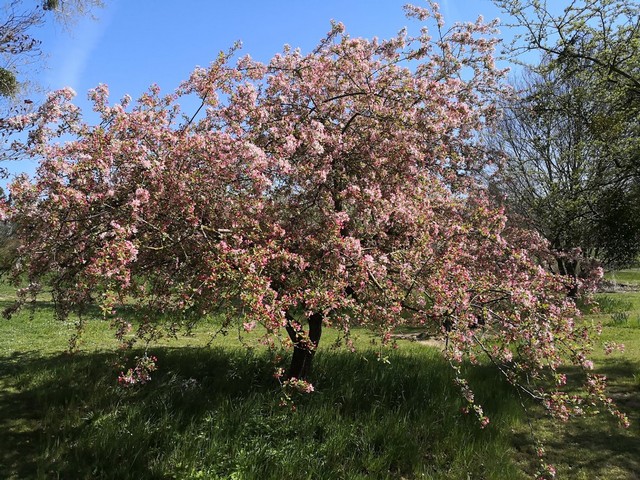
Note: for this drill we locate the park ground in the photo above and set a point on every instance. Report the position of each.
(216, 411)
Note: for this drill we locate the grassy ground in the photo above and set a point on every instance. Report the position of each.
(629, 276)
(595, 447)
(215, 412)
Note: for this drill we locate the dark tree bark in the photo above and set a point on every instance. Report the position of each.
(304, 345)
(569, 268)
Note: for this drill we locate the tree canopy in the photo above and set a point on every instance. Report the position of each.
(560, 178)
(335, 188)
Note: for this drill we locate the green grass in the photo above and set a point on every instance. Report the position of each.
(629, 276)
(215, 412)
(619, 309)
(596, 447)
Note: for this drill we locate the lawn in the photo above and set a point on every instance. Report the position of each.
(595, 447)
(216, 412)
(630, 276)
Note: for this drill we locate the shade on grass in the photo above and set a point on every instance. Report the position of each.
(215, 413)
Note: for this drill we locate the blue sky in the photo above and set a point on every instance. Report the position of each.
(133, 44)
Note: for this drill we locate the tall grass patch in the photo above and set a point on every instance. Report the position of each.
(218, 413)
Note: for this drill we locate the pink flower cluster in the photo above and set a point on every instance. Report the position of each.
(140, 373)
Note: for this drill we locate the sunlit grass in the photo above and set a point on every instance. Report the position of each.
(596, 447)
(629, 276)
(216, 412)
(618, 309)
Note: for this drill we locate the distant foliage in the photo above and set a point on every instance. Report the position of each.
(8, 248)
(572, 135)
(8, 83)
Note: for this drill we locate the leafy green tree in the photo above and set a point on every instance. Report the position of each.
(603, 34)
(618, 227)
(571, 135)
(560, 179)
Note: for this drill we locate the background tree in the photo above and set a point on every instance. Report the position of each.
(576, 117)
(559, 177)
(19, 47)
(21, 53)
(336, 188)
(602, 34)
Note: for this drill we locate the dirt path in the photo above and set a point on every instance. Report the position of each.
(423, 338)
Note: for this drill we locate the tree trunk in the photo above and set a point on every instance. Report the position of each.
(304, 346)
(569, 268)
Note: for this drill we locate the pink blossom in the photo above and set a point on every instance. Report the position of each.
(249, 326)
(325, 185)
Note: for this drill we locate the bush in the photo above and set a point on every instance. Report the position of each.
(8, 83)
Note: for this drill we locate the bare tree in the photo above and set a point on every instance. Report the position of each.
(19, 46)
(560, 178)
(572, 137)
(599, 41)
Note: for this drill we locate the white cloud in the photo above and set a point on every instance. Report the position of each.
(73, 49)
(445, 10)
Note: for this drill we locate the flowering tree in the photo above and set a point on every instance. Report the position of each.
(336, 188)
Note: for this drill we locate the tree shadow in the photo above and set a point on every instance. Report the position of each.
(598, 449)
(597, 446)
(65, 415)
(47, 401)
